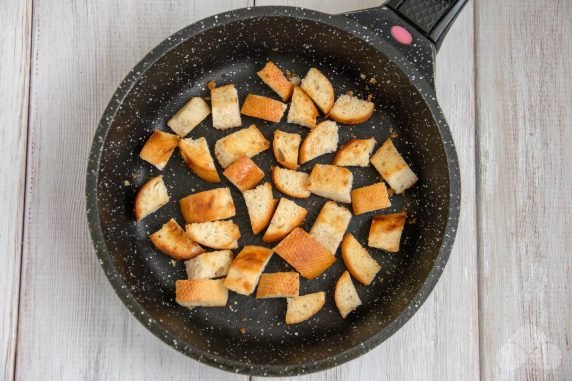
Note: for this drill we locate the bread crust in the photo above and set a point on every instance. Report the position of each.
(192, 293)
(211, 205)
(272, 76)
(370, 198)
(263, 108)
(172, 240)
(278, 285)
(331, 182)
(159, 148)
(244, 173)
(246, 268)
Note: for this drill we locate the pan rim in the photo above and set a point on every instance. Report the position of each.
(121, 288)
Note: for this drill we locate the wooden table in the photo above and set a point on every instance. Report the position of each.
(503, 307)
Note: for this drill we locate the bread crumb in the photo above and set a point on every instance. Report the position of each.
(211, 85)
(412, 221)
(372, 80)
(393, 135)
(350, 93)
(242, 330)
(295, 81)
(390, 192)
(362, 75)
(369, 97)
(274, 49)
(173, 263)
(126, 183)
(207, 98)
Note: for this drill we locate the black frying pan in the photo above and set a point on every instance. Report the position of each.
(230, 48)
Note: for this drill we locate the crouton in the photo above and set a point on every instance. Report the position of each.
(211, 205)
(358, 261)
(244, 173)
(302, 110)
(291, 183)
(346, 296)
(391, 166)
(321, 140)
(319, 88)
(260, 203)
(263, 108)
(172, 240)
(351, 110)
(225, 108)
(159, 148)
(278, 285)
(331, 182)
(201, 293)
(272, 76)
(285, 147)
(246, 268)
(370, 198)
(302, 308)
(152, 196)
(198, 158)
(330, 225)
(246, 142)
(214, 264)
(287, 216)
(385, 231)
(189, 116)
(355, 153)
(306, 254)
(215, 234)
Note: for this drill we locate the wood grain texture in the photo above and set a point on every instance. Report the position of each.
(441, 342)
(524, 87)
(72, 325)
(15, 22)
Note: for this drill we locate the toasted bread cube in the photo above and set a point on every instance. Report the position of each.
(391, 166)
(302, 110)
(355, 153)
(287, 216)
(172, 240)
(302, 308)
(152, 196)
(291, 183)
(331, 182)
(260, 203)
(385, 231)
(358, 261)
(278, 285)
(215, 234)
(244, 173)
(263, 108)
(159, 148)
(272, 76)
(321, 140)
(214, 264)
(201, 293)
(370, 198)
(346, 296)
(198, 158)
(189, 116)
(330, 225)
(351, 110)
(285, 147)
(246, 268)
(306, 254)
(211, 205)
(225, 107)
(246, 142)
(319, 88)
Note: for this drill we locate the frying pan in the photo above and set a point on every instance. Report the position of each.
(249, 336)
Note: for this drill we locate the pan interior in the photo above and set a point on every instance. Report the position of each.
(232, 53)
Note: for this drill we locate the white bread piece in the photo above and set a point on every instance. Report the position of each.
(225, 108)
(159, 148)
(302, 110)
(355, 153)
(211, 205)
(306, 254)
(291, 183)
(264, 108)
(319, 88)
(214, 264)
(244, 173)
(346, 296)
(358, 261)
(287, 216)
(391, 166)
(272, 76)
(370, 198)
(246, 268)
(198, 158)
(260, 203)
(321, 140)
(331, 182)
(330, 225)
(152, 196)
(215, 234)
(351, 110)
(385, 231)
(278, 285)
(172, 240)
(201, 293)
(285, 147)
(301, 308)
(189, 116)
(246, 142)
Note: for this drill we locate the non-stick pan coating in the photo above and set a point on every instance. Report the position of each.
(232, 52)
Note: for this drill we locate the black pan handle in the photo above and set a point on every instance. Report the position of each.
(433, 18)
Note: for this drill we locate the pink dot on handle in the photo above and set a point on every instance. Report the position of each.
(401, 35)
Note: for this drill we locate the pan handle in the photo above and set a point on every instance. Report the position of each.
(433, 18)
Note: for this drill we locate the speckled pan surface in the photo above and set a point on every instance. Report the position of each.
(230, 48)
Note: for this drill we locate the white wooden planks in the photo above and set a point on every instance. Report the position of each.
(72, 325)
(15, 22)
(524, 87)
